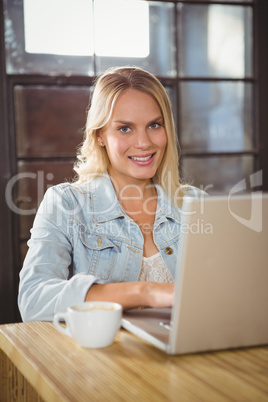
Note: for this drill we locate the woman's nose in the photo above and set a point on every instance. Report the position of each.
(142, 139)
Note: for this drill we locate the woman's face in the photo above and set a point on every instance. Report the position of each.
(135, 138)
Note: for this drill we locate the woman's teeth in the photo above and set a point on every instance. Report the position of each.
(141, 159)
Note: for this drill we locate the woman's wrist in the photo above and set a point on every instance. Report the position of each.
(129, 294)
(133, 294)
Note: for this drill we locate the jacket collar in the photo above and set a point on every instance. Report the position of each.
(165, 208)
(105, 205)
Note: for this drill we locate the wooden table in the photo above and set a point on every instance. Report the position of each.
(39, 363)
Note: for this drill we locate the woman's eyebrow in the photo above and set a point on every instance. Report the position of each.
(160, 117)
(123, 122)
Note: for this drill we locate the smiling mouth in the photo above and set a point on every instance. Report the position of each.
(140, 158)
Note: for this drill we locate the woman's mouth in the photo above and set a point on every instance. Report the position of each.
(141, 158)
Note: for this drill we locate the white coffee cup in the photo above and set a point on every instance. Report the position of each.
(91, 324)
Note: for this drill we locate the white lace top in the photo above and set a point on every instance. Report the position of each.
(153, 269)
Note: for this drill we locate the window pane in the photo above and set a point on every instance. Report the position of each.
(216, 175)
(116, 33)
(157, 41)
(52, 42)
(58, 27)
(216, 116)
(49, 120)
(215, 40)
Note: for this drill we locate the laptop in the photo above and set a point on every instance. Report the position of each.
(221, 287)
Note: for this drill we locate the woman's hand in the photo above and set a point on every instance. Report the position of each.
(134, 294)
(159, 295)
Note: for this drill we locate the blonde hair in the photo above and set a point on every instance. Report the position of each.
(93, 161)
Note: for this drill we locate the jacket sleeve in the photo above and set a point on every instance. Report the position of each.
(45, 287)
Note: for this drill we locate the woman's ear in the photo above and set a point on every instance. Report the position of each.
(99, 138)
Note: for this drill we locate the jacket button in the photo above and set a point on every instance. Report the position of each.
(169, 250)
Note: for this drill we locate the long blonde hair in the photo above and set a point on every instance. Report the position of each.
(93, 161)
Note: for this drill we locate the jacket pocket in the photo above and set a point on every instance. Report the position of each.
(102, 253)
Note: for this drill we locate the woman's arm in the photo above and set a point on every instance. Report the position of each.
(45, 283)
(133, 294)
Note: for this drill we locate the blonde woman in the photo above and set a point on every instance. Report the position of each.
(114, 233)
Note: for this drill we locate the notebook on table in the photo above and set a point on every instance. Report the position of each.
(221, 289)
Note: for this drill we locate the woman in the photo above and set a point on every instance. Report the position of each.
(113, 234)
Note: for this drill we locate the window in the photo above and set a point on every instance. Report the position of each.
(203, 51)
(84, 37)
(62, 27)
(81, 29)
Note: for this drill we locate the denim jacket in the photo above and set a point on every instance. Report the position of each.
(82, 236)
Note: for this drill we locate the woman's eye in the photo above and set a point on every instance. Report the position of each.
(124, 129)
(154, 125)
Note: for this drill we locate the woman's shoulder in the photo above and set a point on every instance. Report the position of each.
(67, 193)
(67, 188)
(77, 192)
